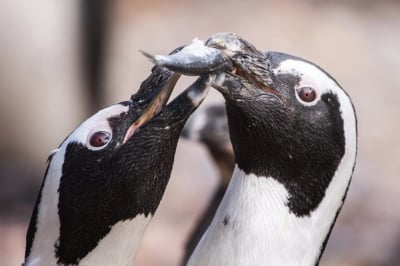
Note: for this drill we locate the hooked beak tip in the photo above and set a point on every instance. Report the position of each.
(154, 107)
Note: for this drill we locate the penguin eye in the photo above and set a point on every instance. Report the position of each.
(306, 94)
(99, 139)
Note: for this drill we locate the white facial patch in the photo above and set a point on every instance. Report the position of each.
(310, 76)
(97, 122)
(322, 83)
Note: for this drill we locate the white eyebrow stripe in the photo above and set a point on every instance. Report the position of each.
(98, 122)
(309, 74)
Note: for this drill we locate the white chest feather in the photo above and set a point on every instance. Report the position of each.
(253, 226)
(120, 245)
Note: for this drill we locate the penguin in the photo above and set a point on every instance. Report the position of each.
(294, 135)
(105, 181)
(209, 126)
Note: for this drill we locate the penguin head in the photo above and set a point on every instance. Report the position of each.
(113, 168)
(294, 134)
(290, 120)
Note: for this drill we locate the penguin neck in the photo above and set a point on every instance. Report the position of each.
(254, 226)
(118, 247)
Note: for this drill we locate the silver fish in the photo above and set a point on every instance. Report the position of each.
(223, 52)
(194, 59)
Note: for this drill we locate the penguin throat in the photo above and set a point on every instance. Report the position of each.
(254, 226)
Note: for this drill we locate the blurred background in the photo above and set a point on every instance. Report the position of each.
(62, 60)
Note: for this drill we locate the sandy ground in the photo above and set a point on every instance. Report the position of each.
(355, 41)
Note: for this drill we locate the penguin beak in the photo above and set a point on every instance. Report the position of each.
(151, 98)
(149, 104)
(223, 53)
(256, 82)
(176, 113)
(237, 86)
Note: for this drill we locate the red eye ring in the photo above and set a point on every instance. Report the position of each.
(99, 139)
(306, 94)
